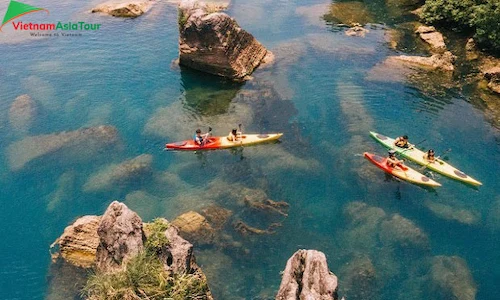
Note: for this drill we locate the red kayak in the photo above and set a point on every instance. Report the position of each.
(403, 172)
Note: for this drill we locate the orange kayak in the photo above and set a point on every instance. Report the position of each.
(403, 172)
(218, 142)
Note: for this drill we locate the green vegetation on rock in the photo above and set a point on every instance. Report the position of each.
(144, 277)
(156, 235)
(479, 15)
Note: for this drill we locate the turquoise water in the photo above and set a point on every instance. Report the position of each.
(317, 93)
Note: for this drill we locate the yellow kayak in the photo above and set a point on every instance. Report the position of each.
(417, 156)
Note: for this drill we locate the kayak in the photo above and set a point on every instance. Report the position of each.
(218, 142)
(403, 172)
(417, 156)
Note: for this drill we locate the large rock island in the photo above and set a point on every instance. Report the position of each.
(214, 43)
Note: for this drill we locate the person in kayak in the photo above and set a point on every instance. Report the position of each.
(232, 136)
(200, 139)
(392, 161)
(429, 156)
(402, 142)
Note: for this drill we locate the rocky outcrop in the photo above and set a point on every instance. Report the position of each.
(307, 276)
(120, 237)
(22, 113)
(214, 43)
(130, 171)
(471, 50)
(108, 242)
(78, 244)
(492, 74)
(450, 278)
(195, 227)
(124, 9)
(437, 61)
(431, 36)
(85, 142)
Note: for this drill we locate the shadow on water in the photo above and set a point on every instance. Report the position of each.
(207, 94)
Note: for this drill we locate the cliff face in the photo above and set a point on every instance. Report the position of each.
(214, 43)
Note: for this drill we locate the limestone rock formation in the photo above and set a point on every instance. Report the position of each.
(132, 170)
(307, 276)
(82, 142)
(78, 243)
(22, 113)
(451, 278)
(431, 36)
(120, 237)
(437, 61)
(214, 43)
(195, 227)
(124, 9)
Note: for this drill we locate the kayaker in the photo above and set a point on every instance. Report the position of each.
(392, 161)
(429, 156)
(233, 135)
(199, 138)
(402, 142)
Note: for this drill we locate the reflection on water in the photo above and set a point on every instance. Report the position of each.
(385, 239)
(207, 94)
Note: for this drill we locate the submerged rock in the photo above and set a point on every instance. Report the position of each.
(357, 30)
(451, 213)
(307, 276)
(451, 279)
(124, 9)
(78, 244)
(214, 43)
(84, 142)
(245, 229)
(431, 36)
(120, 237)
(403, 233)
(130, 171)
(359, 279)
(195, 227)
(349, 13)
(437, 61)
(22, 113)
(217, 216)
(65, 188)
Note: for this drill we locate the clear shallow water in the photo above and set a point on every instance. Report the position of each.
(124, 76)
